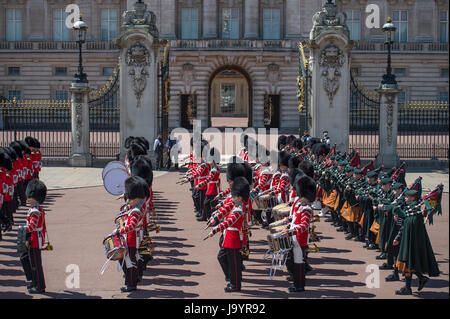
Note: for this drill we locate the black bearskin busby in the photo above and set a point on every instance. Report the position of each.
(282, 141)
(140, 167)
(5, 160)
(305, 187)
(294, 161)
(136, 187)
(297, 143)
(17, 148)
(283, 159)
(24, 146)
(314, 140)
(307, 167)
(128, 141)
(240, 188)
(248, 173)
(143, 142)
(134, 151)
(293, 173)
(37, 190)
(235, 170)
(30, 141)
(321, 149)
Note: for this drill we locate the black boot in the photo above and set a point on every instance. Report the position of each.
(382, 256)
(406, 290)
(422, 281)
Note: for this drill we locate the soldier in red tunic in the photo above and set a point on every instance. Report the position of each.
(136, 191)
(211, 182)
(31, 260)
(240, 191)
(301, 215)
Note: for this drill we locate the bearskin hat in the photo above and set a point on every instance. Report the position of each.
(241, 188)
(244, 139)
(320, 149)
(24, 146)
(213, 155)
(17, 148)
(143, 142)
(290, 139)
(136, 187)
(38, 144)
(5, 160)
(307, 168)
(305, 187)
(294, 161)
(235, 159)
(297, 143)
(140, 167)
(134, 151)
(37, 190)
(283, 159)
(282, 141)
(314, 140)
(128, 141)
(235, 170)
(293, 173)
(30, 141)
(11, 153)
(248, 172)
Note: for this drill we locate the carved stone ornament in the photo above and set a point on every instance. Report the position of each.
(188, 73)
(138, 59)
(78, 118)
(390, 100)
(140, 16)
(331, 60)
(273, 73)
(328, 19)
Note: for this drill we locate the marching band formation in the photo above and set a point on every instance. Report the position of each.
(278, 190)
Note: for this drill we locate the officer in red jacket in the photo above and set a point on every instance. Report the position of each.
(31, 260)
(240, 191)
(212, 184)
(136, 190)
(298, 230)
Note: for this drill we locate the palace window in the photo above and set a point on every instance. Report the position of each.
(402, 97)
(13, 25)
(109, 24)
(60, 71)
(444, 73)
(14, 71)
(443, 26)
(61, 95)
(108, 71)
(189, 23)
(354, 24)
(14, 94)
(443, 96)
(271, 24)
(400, 72)
(60, 31)
(230, 23)
(227, 97)
(400, 20)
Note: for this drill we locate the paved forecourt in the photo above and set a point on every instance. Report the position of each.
(184, 265)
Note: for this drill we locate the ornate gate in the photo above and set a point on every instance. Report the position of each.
(104, 119)
(303, 87)
(364, 120)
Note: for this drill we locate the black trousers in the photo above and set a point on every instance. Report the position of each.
(32, 266)
(7, 212)
(131, 274)
(200, 199)
(209, 206)
(234, 266)
(222, 258)
(298, 271)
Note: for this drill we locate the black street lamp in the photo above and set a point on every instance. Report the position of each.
(81, 27)
(389, 78)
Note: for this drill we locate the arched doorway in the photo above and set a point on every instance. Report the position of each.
(230, 98)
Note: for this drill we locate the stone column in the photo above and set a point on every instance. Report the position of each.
(330, 46)
(80, 156)
(250, 20)
(210, 19)
(387, 153)
(139, 58)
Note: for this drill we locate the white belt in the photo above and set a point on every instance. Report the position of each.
(232, 228)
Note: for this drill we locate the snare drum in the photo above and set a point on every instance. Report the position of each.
(279, 244)
(114, 247)
(281, 211)
(277, 225)
(120, 220)
(266, 201)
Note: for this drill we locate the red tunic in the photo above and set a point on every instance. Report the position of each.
(231, 227)
(200, 174)
(36, 226)
(283, 187)
(133, 224)
(212, 181)
(302, 214)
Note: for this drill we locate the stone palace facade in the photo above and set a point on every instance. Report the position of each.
(228, 58)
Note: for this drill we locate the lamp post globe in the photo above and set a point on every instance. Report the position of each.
(389, 78)
(81, 28)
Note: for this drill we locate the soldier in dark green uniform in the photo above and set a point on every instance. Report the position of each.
(383, 214)
(353, 213)
(415, 254)
(365, 198)
(392, 251)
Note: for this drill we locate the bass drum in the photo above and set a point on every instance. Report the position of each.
(111, 165)
(114, 181)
